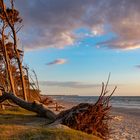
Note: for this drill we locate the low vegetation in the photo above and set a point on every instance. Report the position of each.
(24, 133)
(20, 124)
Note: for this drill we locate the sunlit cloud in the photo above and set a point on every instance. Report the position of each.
(121, 44)
(98, 30)
(51, 23)
(57, 62)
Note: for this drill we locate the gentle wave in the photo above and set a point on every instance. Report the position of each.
(116, 101)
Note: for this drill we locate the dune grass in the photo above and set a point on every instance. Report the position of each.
(16, 132)
(19, 124)
(16, 111)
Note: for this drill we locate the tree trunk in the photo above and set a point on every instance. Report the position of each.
(7, 63)
(20, 65)
(89, 118)
(27, 84)
(36, 107)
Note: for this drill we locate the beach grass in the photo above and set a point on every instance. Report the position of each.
(39, 133)
(19, 124)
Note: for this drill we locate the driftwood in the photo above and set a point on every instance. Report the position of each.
(89, 118)
(35, 106)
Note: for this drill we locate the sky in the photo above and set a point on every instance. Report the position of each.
(74, 44)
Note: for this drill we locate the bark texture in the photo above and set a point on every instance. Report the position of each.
(35, 106)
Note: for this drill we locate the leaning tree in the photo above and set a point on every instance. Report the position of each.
(15, 77)
(9, 19)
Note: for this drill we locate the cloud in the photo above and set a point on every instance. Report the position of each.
(51, 23)
(57, 62)
(120, 44)
(69, 84)
(137, 66)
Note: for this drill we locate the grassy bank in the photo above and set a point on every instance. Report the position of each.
(27, 132)
(19, 124)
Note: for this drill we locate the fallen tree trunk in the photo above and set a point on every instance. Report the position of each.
(89, 118)
(35, 106)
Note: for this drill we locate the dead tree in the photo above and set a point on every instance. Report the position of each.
(89, 118)
(35, 106)
(37, 83)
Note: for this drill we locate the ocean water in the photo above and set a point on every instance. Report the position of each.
(116, 101)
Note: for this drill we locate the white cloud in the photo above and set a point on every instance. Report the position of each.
(98, 30)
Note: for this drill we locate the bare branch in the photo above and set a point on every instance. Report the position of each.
(19, 28)
(107, 82)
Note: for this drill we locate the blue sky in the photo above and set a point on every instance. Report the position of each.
(73, 45)
(87, 64)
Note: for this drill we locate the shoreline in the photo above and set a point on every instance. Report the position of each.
(118, 109)
(116, 101)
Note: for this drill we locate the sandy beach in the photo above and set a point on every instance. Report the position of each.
(125, 123)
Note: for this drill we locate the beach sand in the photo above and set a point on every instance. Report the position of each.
(125, 123)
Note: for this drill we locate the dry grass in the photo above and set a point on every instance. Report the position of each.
(19, 124)
(17, 132)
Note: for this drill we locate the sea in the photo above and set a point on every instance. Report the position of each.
(116, 101)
